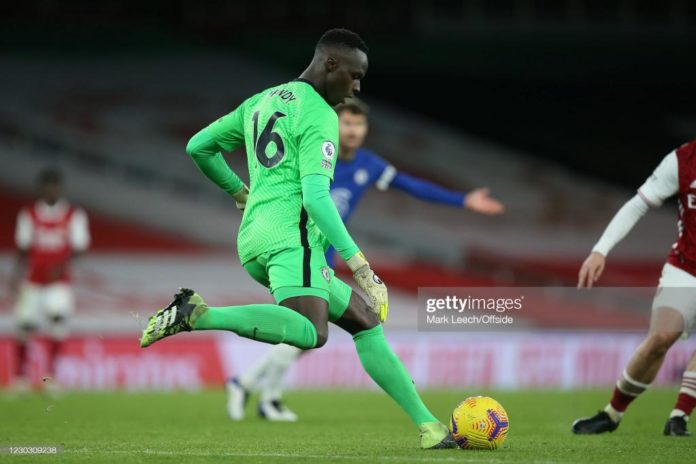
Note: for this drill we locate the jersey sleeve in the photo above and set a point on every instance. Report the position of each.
(663, 183)
(621, 224)
(228, 131)
(23, 230)
(79, 231)
(205, 153)
(427, 191)
(317, 142)
(317, 201)
(385, 172)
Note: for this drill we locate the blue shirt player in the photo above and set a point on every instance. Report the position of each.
(358, 169)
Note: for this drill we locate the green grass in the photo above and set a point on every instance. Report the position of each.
(335, 426)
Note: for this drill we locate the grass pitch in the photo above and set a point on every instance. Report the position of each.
(335, 426)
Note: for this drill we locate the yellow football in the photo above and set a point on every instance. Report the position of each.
(479, 422)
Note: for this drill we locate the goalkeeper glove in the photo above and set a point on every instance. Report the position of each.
(240, 197)
(372, 285)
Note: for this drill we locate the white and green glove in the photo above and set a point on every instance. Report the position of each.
(241, 197)
(372, 285)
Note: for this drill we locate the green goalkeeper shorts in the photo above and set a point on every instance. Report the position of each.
(300, 271)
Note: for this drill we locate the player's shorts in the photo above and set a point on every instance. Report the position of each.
(677, 290)
(300, 271)
(35, 302)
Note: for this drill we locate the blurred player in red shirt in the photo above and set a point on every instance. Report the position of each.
(49, 234)
(674, 306)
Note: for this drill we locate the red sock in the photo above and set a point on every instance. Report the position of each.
(52, 353)
(685, 403)
(687, 394)
(21, 366)
(626, 390)
(620, 400)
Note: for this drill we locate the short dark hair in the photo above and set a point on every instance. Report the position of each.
(354, 105)
(49, 176)
(342, 37)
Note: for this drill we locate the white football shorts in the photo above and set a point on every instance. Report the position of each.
(36, 302)
(677, 290)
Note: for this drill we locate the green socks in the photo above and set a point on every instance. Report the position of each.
(277, 324)
(380, 362)
(264, 322)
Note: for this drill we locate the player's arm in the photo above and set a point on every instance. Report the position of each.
(318, 139)
(316, 199)
(204, 148)
(19, 269)
(321, 208)
(662, 184)
(478, 200)
(80, 238)
(23, 237)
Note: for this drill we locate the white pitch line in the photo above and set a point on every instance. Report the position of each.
(461, 458)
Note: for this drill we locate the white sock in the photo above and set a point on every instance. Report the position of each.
(614, 415)
(280, 358)
(678, 413)
(251, 379)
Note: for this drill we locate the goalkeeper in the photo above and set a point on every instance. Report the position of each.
(357, 170)
(290, 133)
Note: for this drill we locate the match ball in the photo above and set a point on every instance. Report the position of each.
(479, 422)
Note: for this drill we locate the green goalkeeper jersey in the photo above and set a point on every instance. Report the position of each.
(289, 132)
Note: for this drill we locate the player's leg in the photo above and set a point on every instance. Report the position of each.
(350, 312)
(283, 274)
(686, 401)
(273, 367)
(59, 304)
(666, 326)
(27, 314)
(24, 333)
(240, 387)
(293, 276)
(299, 319)
(267, 323)
(266, 376)
(636, 378)
(281, 359)
(271, 404)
